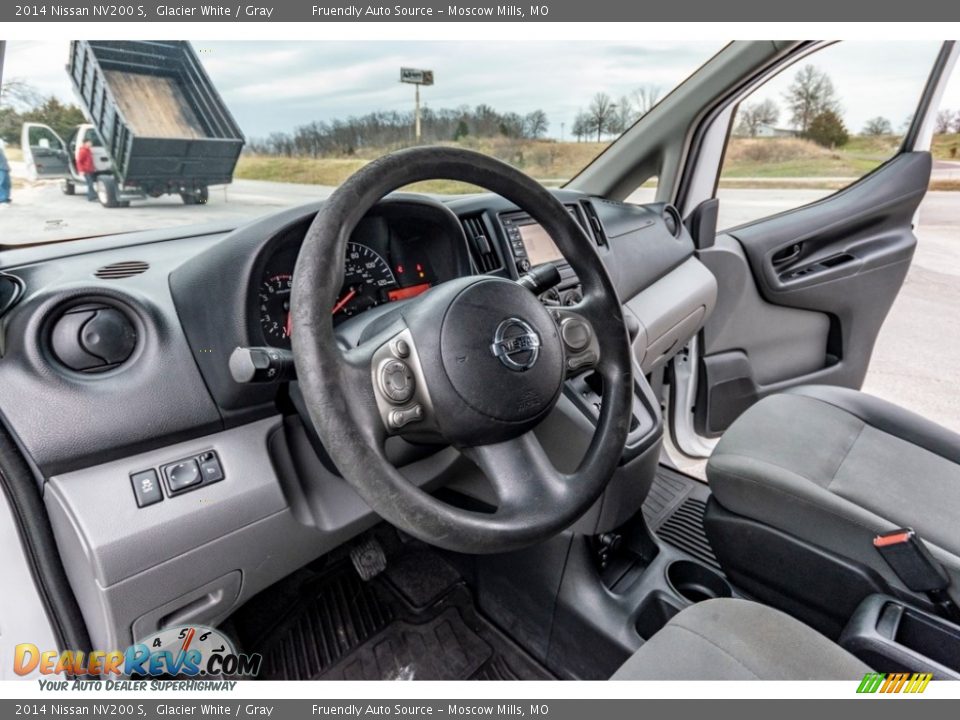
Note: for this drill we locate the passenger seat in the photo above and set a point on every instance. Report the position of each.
(803, 481)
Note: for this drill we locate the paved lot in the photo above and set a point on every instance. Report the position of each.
(916, 362)
(42, 212)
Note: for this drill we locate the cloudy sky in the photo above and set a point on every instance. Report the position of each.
(273, 86)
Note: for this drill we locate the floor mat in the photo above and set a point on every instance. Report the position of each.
(674, 512)
(415, 621)
(443, 648)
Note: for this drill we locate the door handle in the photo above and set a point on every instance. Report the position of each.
(787, 254)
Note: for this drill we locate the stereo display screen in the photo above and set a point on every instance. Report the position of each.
(539, 245)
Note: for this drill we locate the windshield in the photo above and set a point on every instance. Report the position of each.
(110, 137)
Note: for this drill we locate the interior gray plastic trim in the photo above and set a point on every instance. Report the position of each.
(668, 312)
(782, 342)
(120, 539)
(22, 613)
(130, 565)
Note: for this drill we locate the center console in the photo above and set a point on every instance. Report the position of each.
(892, 636)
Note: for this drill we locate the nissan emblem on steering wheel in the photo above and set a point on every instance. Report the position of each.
(516, 344)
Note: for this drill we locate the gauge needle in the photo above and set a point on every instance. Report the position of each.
(343, 301)
(288, 326)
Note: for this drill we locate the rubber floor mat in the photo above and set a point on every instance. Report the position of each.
(674, 511)
(416, 621)
(443, 648)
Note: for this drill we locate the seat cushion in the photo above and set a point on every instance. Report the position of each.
(728, 639)
(835, 467)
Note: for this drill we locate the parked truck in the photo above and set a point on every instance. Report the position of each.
(157, 124)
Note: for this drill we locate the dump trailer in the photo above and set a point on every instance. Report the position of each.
(162, 123)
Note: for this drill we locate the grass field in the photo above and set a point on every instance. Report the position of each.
(553, 163)
(750, 162)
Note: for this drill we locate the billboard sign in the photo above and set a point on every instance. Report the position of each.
(416, 77)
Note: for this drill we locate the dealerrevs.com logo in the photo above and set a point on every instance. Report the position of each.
(191, 651)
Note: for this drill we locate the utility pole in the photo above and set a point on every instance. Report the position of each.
(416, 113)
(416, 78)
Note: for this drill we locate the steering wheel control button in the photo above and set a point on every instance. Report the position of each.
(401, 348)
(397, 381)
(210, 468)
(582, 360)
(146, 487)
(576, 334)
(404, 416)
(182, 475)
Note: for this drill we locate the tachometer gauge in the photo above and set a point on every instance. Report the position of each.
(275, 308)
(366, 281)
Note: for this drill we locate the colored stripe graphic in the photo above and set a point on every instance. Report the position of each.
(894, 683)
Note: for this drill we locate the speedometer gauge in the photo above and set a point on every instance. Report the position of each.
(275, 308)
(366, 281)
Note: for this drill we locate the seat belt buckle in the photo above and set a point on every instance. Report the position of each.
(912, 562)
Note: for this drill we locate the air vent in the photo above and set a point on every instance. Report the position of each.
(118, 270)
(671, 218)
(11, 288)
(483, 251)
(594, 220)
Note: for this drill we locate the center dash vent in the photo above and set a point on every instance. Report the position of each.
(595, 224)
(482, 249)
(119, 270)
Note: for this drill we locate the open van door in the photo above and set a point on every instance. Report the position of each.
(808, 267)
(44, 152)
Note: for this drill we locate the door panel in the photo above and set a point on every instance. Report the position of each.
(806, 292)
(44, 152)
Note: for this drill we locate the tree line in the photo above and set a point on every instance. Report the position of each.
(20, 103)
(606, 116)
(383, 129)
(815, 113)
(603, 118)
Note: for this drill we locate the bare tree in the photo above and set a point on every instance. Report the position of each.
(18, 93)
(753, 116)
(602, 113)
(581, 126)
(535, 124)
(625, 115)
(644, 98)
(811, 94)
(943, 122)
(956, 123)
(878, 126)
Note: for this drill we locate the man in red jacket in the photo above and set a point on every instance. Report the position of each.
(86, 167)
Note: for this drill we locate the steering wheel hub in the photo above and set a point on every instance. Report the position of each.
(501, 352)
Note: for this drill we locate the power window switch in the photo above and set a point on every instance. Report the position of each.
(146, 487)
(210, 468)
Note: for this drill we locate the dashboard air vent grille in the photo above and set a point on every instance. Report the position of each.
(595, 225)
(672, 221)
(482, 249)
(119, 270)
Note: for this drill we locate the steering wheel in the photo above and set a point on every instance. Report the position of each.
(475, 362)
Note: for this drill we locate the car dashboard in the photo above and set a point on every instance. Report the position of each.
(175, 491)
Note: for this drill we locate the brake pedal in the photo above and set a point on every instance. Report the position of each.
(368, 558)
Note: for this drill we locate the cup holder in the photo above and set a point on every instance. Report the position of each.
(695, 582)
